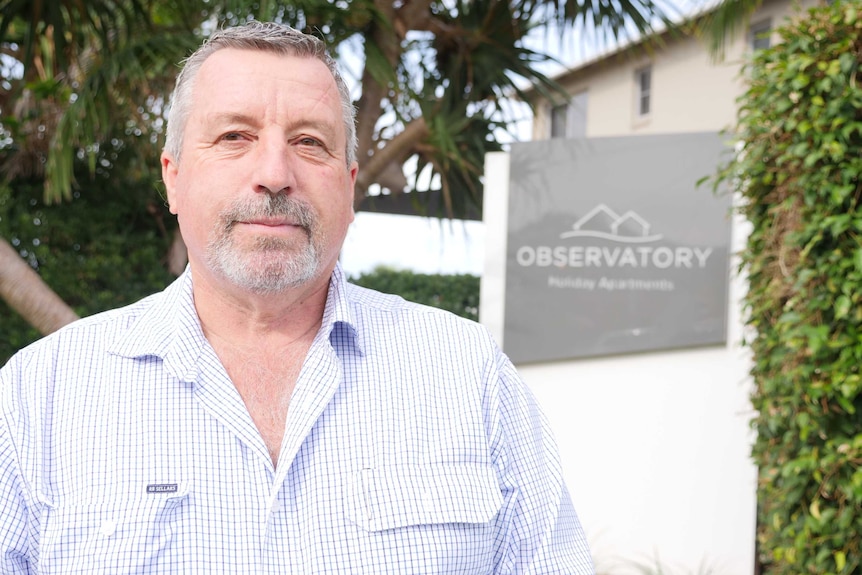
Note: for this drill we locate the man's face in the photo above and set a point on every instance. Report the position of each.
(263, 192)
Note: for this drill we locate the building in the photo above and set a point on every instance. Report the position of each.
(655, 446)
(676, 87)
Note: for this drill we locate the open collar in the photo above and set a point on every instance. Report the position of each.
(169, 328)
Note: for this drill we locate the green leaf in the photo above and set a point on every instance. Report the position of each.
(840, 560)
(842, 306)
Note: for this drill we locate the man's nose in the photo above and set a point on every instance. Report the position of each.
(274, 167)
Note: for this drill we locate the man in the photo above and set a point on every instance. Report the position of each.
(261, 415)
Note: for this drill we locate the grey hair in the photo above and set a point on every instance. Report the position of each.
(265, 37)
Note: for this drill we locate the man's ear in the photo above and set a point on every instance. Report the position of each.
(169, 177)
(353, 171)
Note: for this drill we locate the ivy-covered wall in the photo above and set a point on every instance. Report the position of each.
(798, 173)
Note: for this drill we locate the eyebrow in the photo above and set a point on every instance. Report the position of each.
(225, 120)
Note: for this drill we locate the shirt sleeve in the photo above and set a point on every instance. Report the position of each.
(540, 530)
(14, 540)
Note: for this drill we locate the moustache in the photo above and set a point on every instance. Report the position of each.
(297, 212)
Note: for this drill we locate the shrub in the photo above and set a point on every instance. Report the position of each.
(798, 173)
(456, 293)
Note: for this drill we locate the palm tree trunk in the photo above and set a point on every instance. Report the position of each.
(26, 293)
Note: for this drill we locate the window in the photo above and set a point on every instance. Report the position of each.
(558, 120)
(760, 35)
(643, 89)
(569, 120)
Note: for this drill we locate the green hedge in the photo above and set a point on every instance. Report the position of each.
(456, 293)
(798, 172)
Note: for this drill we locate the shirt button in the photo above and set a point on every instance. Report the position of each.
(108, 528)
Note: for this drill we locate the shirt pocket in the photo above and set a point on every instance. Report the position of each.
(124, 534)
(393, 497)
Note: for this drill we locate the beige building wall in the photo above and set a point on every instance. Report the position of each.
(691, 91)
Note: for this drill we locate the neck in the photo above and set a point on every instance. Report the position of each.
(240, 319)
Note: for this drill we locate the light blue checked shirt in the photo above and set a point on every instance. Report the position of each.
(411, 446)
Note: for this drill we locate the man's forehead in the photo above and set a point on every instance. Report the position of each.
(249, 71)
(241, 78)
(228, 62)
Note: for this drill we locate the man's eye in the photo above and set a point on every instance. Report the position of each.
(309, 141)
(231, 136)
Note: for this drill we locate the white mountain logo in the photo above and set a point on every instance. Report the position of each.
(603, 222)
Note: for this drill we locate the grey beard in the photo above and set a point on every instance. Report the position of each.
(271, 264)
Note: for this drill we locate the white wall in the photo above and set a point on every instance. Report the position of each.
(655, 446)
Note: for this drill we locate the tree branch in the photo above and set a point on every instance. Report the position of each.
(396, 150)
(415, 14)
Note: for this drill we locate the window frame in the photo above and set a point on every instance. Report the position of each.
(643, 94)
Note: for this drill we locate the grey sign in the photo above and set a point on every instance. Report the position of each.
(613, 248)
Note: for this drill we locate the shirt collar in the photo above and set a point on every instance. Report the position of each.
(338, 321)
(169, 328)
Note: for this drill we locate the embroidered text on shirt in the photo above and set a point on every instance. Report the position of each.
(162, 488)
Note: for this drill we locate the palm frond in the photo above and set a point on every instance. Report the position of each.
(725, 21)
(113, 85)
(71, 24)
